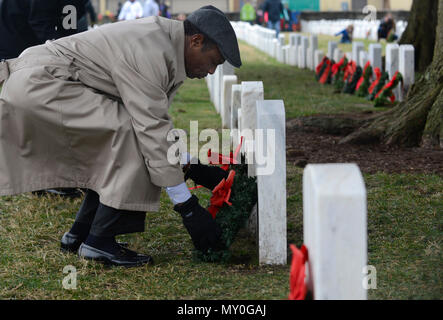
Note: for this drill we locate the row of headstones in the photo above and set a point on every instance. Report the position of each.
(334, 199)
(302, 51)
(363, 28)
(243, 110)
(330, 239)
(397, 58)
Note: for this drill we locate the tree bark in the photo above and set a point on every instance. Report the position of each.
(420, 31)
(419, 119)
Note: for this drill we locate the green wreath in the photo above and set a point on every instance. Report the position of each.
(233, 218)
(362, 91)
(352, 80)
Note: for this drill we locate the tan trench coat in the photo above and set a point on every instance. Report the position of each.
(91, 111)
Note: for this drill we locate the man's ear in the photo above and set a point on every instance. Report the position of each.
(197, 40)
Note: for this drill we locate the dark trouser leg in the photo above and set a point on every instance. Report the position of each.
(88, 208)
(86, 214)
(109, 222)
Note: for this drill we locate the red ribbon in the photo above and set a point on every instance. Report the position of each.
(297, 284)
(224, 159)
(325, 75)
(351, 67)
(320, 65)
(377, 72)
(362, 78)
(222, 192)
(231, 160)
(388, 86)
(337, 66)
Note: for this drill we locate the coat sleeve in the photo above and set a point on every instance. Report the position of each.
(147, 103)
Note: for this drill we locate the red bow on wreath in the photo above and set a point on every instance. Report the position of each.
(338, 65)
(222, 192)
(362, 78)
(350, 69)
(387, 87)
(325, 74)
(377, 72)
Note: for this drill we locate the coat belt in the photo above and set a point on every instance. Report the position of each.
(9, 66)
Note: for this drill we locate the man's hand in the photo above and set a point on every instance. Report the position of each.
(207, 176)
(204, 231)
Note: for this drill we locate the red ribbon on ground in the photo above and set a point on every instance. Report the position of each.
(297, 284)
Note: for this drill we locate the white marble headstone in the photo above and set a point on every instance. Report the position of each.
(225, 111)
(335, 230)
(357, 48)
(331, 47)
(338, 55)
(271, 182)
(251, 91)
(406, 68)
(375, 55)
(392, 55)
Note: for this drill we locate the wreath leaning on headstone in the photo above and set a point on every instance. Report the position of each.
(234, 194)
(377, 84)
(338, 72)
(352, 80)
(364, 82)
(233, 214)
(386, 97)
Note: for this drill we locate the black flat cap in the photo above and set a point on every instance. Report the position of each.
(213, 23)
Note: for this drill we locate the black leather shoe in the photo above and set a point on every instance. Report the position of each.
(71, 242)
(123, 258)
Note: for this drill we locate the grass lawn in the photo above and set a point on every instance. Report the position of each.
(405, 223)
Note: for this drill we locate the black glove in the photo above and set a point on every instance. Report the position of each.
(204, 231)
(207, 176)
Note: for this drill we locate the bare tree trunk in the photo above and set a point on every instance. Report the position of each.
(419, 119)
(420, 31)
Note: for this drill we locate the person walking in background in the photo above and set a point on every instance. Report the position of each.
(164, 9)
(274, 8)
(386, 30)
(119, 9)
(247, 12)
(287, 15)
(151, 8)
(85, 21)
(132, 9)
(346, 34)
(181, 17)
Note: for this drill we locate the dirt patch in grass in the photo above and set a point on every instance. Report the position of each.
(311, 146)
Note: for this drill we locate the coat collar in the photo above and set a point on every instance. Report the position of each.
(177, 33)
